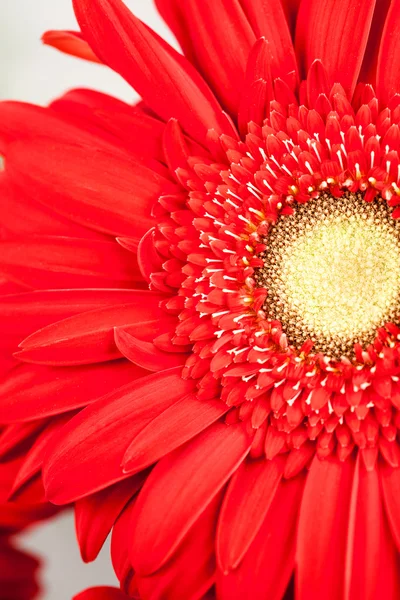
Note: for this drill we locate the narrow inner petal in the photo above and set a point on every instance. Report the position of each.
(332, 272)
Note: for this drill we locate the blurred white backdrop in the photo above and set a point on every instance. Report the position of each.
(35, 73)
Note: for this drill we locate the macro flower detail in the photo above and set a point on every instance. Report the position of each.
(203, 331)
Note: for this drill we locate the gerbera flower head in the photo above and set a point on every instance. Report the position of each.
(216, 276)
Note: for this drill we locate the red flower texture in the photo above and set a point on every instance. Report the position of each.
(101, 593)
(111, 593)
(18, 572)
(207, 299)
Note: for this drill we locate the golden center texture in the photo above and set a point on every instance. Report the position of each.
(332, 271)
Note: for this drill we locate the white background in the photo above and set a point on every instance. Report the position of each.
(35, 73)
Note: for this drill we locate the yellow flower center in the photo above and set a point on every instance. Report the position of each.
(332, 270)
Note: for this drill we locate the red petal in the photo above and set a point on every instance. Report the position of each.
(266, 569)
(145, 354)
(179, 488)
(101, 433)
(191, 570)
(172, 12)
(176, 425)
(101, 593)
(340, 51)
(61, 262)
(253, 104)
(32, 492)
(268, 20)
(317, 82)
(111, 194)
(114, 121)
(22, 314)
(33, 459)
(221, 39)
(388, 68)
(372, 561)
(167, 82)
(14, 435)
(369, 66)
(138, 132)
(38, 219)
(94, 100)
(322, 533)
(148, 258)
(89, 337)
(19, 121)
(120, 547)
(33, 392)
(96, 515)
(390, 479)
(245, 506)
(70, 42)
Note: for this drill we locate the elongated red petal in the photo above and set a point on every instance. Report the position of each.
(35, 392)
(172, 12)
(70, 42)
(191, 570)
(179, 488)
(97, 101)
(145, 354)
(365, 571)
(388, 68)
(101, 433)
(267, 567)
(105, 116)
(165, 80)
(245, 506)
(388, 573)
(95, 189)
(148, 258)
(63, 262)
(340, 51)
(390, 479)
(370, 63)
(33, 459)
(38, 219)
(96, 515)
(138, 132)
(19, 120)
(92, 333)
(268, 20)
(176, 425)
(221, 39)
(322, 534)
(120, 545)
(22, 314)
(15, 434)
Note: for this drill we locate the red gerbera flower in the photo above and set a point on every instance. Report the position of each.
(235, 237)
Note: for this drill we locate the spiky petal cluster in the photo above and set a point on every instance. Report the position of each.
(210, 242)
